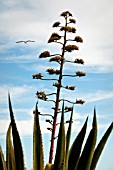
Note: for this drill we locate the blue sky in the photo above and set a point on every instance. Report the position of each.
(25, 19)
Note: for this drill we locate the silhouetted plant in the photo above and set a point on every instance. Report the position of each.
(66, 157)
(61, 37)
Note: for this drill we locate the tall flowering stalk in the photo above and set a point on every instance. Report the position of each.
(63, 40)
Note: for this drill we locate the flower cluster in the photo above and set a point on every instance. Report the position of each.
(65, 14)
(78, 39)
(68, 29)
(56, 24)
(68, 108)
(52, 71)
(70, 48)
(49, 129)
(80, 101)
(44, 54)
(54, 37)
(71, 20)
(56, 58)
(49, 121)
(57, 84)
(37, 76)
(79, 61)
(70, 88)
(41, 95)
(68, 121)
(80, 74)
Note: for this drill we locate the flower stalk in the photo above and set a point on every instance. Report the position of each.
(63, 39)
(57, 98)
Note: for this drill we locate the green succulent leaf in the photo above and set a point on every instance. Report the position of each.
(18, 151)
(59, 163)
(10, 157)
(68, 136)
(38, 157)
(2, 161)
(100, 147)
(88, 151)
(75, 150)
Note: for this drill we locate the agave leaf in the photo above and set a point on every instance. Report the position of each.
(75, 150)
(59, 163)
(10, 157)
(100, 147)
(18, 151)
(68, 136)
(88, 151)
(38, 157)
(2, 161)
(49, 167)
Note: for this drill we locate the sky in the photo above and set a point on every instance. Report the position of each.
(24, 20)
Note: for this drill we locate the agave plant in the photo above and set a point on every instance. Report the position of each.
(78, 156)
(74, 157)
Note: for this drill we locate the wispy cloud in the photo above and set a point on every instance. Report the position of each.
(18, 59)
(96, 29)
(99, 95)
(25, 127)
(16, 92)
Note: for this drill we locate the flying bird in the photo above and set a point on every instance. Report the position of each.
(24, 41)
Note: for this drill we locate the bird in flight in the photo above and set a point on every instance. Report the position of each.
(24, 41)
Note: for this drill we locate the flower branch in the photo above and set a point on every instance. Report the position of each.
(78, 73)
(77, 61)
(80, 101)
(39, 77)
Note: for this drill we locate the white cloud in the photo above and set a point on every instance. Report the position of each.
(25, 127)
(95, 27)
(89, 96)
(16, 92)
(4, 126)
(99, 95)
(27, 26)
(18, 59)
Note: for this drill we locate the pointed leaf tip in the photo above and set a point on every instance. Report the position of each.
(88, 151)
(94, 124)
(38, 156)
(76, 147)
(100, 147)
